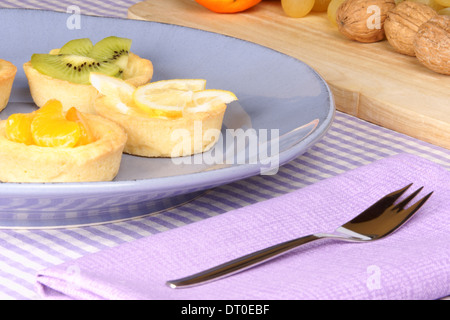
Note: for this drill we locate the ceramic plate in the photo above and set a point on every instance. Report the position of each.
(284, 108)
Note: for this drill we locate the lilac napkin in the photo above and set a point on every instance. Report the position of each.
(413, 263)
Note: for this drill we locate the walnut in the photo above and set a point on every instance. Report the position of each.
(363, 20)
(402, 23)
(432, 44)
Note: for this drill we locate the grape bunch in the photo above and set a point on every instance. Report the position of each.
(301, 8)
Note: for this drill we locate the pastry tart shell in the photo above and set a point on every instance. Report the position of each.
(97, 161)
(139, 71)
(7, 74)
(164, 137)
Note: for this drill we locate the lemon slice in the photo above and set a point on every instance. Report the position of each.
(167, 97)
(113, 87)
(205, 100)
(164, 98)
(178, 84)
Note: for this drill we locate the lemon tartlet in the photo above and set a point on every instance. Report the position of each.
(96, 161)
(167, 118)
(164, 137)
(7, 74)
(43, 87)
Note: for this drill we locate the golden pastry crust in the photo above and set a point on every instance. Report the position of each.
(97, 161)
(7, 74)
(161, 137)
(139, 71)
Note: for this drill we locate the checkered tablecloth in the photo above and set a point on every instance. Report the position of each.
(350, 143)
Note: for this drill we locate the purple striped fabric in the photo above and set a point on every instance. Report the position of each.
(99, 8)
(412, 263)
(24, 252)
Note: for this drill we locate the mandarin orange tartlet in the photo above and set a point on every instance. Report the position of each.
(7, 74)
(168, 118)
(49, 145)
(63, 74)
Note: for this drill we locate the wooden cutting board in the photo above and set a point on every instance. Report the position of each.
(369, 81)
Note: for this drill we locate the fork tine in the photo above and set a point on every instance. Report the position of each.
(407, 213)
(401, 205)
(379, 207)
(389, 199)
(393, 196)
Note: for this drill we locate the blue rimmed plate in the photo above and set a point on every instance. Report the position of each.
(283, 103)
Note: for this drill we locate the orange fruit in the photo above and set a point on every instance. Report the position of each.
(228, 6)
(86, 135)
(18, 128)
(50, 128)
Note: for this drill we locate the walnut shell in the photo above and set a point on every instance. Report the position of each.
(432, 44)
(402, 23)
(363, 20)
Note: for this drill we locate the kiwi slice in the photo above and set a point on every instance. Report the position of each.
(114, 50)
(81, 47)
(70, 67)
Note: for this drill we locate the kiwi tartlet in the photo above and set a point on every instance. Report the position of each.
(63, 74)
(7, 74)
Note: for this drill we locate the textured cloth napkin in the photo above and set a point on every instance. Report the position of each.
(412, 263)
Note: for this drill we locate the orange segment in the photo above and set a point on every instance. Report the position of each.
(50, 128)
(18, 128)
(86, 135)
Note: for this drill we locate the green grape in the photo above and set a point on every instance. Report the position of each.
(332, 10)
(445, 3)
(297, 8)
(321, 5)
(431, 3)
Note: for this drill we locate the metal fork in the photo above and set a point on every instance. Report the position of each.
(376, 222)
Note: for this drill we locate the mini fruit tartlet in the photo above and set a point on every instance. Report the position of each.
(167, 118)
(7, 74)
(49, 145)
(63, 74)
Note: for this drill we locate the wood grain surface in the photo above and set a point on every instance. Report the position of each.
(369, 81)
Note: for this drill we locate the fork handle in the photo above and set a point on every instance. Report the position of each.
(241, 264)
